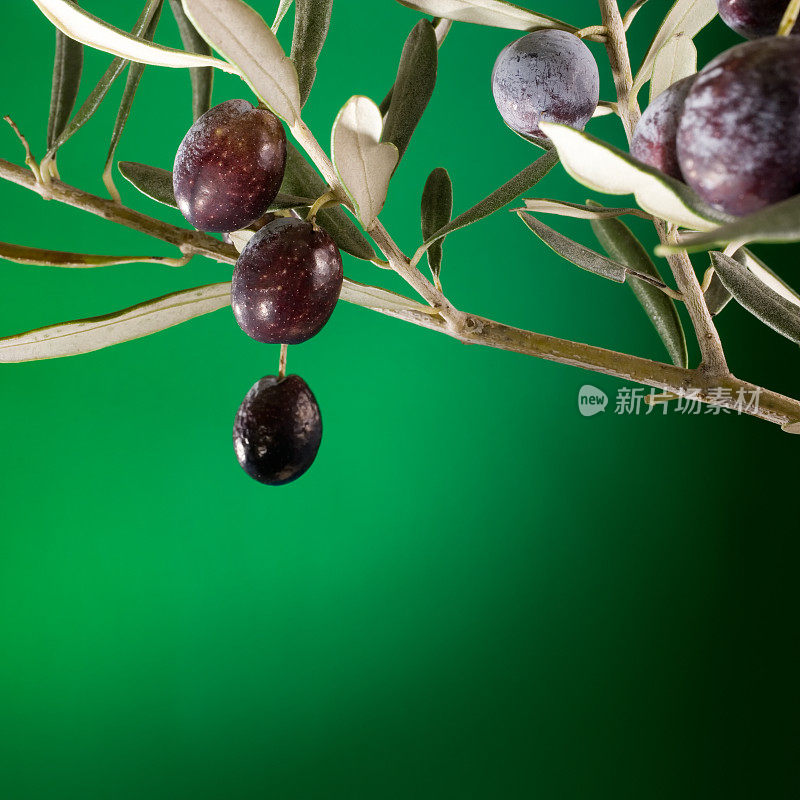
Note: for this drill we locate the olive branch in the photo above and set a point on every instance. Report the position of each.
(367, 142)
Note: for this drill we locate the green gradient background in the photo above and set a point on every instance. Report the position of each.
(474, 593)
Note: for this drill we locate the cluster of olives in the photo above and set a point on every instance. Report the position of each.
(730, 131)
(287, 279)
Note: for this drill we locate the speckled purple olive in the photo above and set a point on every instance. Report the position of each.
(286, 282)
(738, 146)
(546, 75)
(229, 166)
(277, 430)
(653, 141)
(754, 18)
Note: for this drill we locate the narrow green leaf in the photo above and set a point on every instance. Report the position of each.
(564, 209)
(135, 72)
(302, 179)
(95, 333)
(676, 60)
(437, 211)
(495, 13)
(36, 256)
(312, 18)
(413, 87)
(67, 70)
(575, 252)
(620, 243)
(779, 222)
(96, 96)
(499, 198)
(202, 77)
(283, 8)
(717, 296)
(754, 295)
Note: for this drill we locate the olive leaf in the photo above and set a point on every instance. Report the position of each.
(676, 60)
(413, 87)
(499, 198)
(241, 36)
(564, 209)
(495, 13)
(36, 256)
(761, 271)
(86, 335)
(606, 169)
(302, 179)
(312, 18)
(67, 70)
(779, 222)
(114, 70)
(90, 30)
(283, 8)
(202, 77)
(620, 243)
(761, 301)
(135, 71)
(575, 252)
(686, 18)
(437, 210)
(716, 296)
(363, 163)
(380, 299)
(156, 183)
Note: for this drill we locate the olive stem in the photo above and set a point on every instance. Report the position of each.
(711, 351)
(282, 361)
(473, 329)
(789, 18)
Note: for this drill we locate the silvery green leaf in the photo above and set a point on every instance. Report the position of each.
(239, 239)
(575, 252)
(135, 71)
(36, 256)
(770, 279)
(302, 179)
(67, 70)
(363, 163)
(495, 13)
(620, 243)
(114, 70)
(437, 210)
(499, 198)
(154, 182)
(578, 211)
(283, 7)
(312, 18)
(84, 27)
(606, 169)
(779, 222)
(686, 17)
(676, 60)
(716, 296)
(413, 87)
(95, 333)
(202, 77)
(763, 303)
(242, 37)
(380, 299)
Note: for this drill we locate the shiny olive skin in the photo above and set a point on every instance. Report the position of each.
(229, 166)
(286, 282)
(754, 19)
(277, 430)
(654, 139)
(737, 141)
(546, 75)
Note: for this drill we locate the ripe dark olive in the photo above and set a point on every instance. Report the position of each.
(738, 146)
(546, 75)
(653, 141)
(754, 18)
(277, 430)
(286, 282)
(229, 166)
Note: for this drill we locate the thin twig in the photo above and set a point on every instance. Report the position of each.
(789, 18)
